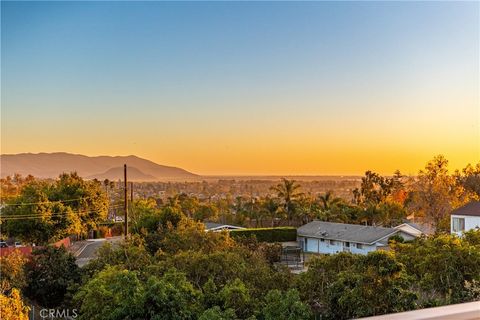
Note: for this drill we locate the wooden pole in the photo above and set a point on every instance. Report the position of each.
(125, 205)
(131, 193)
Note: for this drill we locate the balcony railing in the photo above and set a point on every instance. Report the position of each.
(462, 311)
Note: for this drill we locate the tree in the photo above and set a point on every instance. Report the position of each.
(144, 216)
(12, 272)
(288, 192)
(188, 235)
(436, 193)
(39, 221)
(112, 294)
(387, 214)
(236, 296)
(469, 178)
(216, 313)
(130, 255)
(378, 284)
(328, 200)
(374, 189)
(12, 306)
(50, 272)
(45, 212)
(285, 306)
(314, 284)
(84, 197)
(171, 297)
(271, 208)
(441, 265)
(205, 212)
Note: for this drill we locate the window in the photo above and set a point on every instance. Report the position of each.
(332, 242)
(359, 246)
(347, 244)
(322, 240)
(458, 224)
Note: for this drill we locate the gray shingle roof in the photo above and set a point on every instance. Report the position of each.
(470, 209)
(345, 232)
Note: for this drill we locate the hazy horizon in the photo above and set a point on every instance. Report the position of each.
(245, 88)
(229, 174)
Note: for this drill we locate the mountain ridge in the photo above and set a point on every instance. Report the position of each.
(50, 165)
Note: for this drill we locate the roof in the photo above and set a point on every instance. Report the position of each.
(211, 225)
(345, 232)
(470, 209)
(423, 228)
(217, 226)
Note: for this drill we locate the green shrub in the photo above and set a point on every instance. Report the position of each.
(280, 234)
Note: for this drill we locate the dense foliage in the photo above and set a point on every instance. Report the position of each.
(279, 234)
(50, 272)
(171, 268)
(44, 212)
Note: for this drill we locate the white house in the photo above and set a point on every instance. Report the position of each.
(216, 227)
(329, 237)
(415, 229)
(465, 218)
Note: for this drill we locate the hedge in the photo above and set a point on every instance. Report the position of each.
(279, 234)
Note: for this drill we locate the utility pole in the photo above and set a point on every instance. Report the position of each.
(131, 193)
(125, 205)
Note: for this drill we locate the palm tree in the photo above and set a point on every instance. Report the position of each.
(328, 200)
(288, 192)
(270, 206)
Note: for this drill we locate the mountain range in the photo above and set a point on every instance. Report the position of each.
(50, 165)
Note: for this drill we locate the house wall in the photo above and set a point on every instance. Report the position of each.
(407, 236)
(471, 222)
(315, 245)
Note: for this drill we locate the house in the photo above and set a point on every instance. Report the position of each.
(215, 227)
(329, 237)
(465, 218)
(415, 229)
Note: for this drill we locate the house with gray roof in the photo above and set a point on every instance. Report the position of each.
(465, 218)
(329, 237)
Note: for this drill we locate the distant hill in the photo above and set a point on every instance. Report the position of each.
(50, 165)
(117, 173)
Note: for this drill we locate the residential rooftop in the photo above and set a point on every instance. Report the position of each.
(470, 209)
(345, 232)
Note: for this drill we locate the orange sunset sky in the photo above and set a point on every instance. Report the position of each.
(313, 88)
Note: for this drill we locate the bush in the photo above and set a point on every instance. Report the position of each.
(117, 229)
(280, 234)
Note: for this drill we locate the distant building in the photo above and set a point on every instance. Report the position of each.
(214, 227)
(329, 237)
(465, 218)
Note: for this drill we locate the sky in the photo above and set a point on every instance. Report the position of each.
(267, 88)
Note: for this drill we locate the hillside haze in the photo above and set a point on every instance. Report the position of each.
(50, 165)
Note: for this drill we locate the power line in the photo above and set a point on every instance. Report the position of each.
(54, 214)
(44, 202)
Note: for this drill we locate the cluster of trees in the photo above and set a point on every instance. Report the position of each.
(193, 274)
(46, 211)
(170, 268)
(379, 200)
(45, 279)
